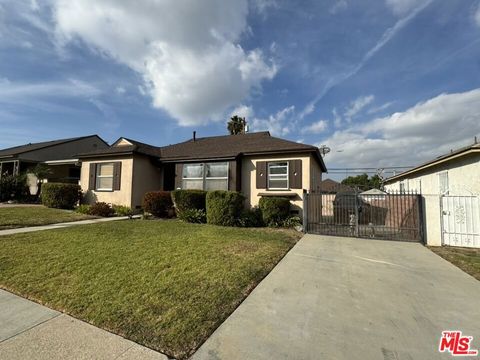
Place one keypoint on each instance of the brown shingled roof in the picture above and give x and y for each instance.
(215, 147)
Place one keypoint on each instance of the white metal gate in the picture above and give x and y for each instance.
(461, 221)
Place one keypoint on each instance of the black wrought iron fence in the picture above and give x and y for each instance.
(374, 214)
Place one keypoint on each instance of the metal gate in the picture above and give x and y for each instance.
(461, 221)
(380, 216)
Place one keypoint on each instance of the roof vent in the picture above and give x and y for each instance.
(194, 135)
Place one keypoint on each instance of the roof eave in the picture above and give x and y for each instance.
(431, 164)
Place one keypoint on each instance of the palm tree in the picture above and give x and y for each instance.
(236, 125)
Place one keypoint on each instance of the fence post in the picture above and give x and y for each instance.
(357, 232)
(305, 210)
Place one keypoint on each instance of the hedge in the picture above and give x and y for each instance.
(275, 210)
(189, 199)
(157, 203)
(60, 196)
(224, 207)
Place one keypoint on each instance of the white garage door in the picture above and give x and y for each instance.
(461, 221)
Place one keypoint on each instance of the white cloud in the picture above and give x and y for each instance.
(187, 51)
(358, 105)
(402, 7)
(338, 6)
(243, 111)
(120, 90)
(316, 127)
(420, 133)
(476, 16)
(263, 6)
(19, 92)
(279, 124)
(379, 108)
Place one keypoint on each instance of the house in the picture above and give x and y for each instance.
(256, 164)
(450, 189)
(61, 156)
(373, 195)
(329, 186)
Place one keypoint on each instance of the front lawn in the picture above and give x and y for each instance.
(164, 284)
(467, 259)
(22, 216)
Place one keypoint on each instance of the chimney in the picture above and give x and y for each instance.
(194, 135)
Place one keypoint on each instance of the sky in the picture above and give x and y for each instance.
(382, 83)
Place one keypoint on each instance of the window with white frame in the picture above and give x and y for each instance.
(104, 177)
(205, 176)
(404, 186)
(278, 175)
(443, 182)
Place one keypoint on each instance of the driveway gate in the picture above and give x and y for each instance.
(461, 221)
(380, 216)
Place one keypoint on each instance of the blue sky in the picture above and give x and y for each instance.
(382, 83)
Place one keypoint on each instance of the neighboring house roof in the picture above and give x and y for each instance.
(215, 147)
(373, 192)
(18, 151)
(332, 187)
(453, 155)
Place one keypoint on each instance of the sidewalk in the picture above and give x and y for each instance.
(32, 331)
(63, 225)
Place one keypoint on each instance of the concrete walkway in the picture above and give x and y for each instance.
(32, 331)
(342, 298)
(63, 225)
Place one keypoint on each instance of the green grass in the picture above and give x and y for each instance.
(164, 284)
(467, 259)
(22, 216)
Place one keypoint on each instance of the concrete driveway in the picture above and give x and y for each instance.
(342, 298)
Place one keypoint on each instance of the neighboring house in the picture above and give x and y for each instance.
(256, 164)
(329, 186)
(450, 188)
(61, 156)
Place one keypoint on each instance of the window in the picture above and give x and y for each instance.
(443, 183)
(205, 176)
(104, 178)
(278, 175)
(404, 186)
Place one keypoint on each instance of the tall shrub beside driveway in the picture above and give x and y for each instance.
(224, 207)
(60, 196)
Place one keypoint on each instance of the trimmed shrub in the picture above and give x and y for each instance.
(120, 210)
(251, 218)
(157, 203)
(224, 207)
(83, 209)
(101, 209)
(275, 210)
(60, 196)
(189, 199)
(193, 216)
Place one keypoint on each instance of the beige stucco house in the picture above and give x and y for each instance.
(256, 164)
(450, 189)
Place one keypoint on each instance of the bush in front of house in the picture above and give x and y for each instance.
(60, 196)
(196, 216)
(101, 209)
(83, 209)
(224, 207)
(13, 187)
(121, 210)
(275, 210)
(251, 218)
(157, 203)
(292, 222)
(189, 199)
